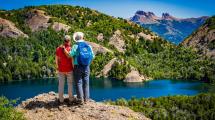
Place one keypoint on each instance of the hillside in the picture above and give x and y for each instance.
(203, 39)
(46, 107)
(124, 50)
(169, 27)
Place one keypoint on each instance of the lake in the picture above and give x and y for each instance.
(105, 89)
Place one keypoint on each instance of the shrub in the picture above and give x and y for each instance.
(7, 111)
(200, 107)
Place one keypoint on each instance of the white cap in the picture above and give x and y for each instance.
(67, 37)
(78, 36)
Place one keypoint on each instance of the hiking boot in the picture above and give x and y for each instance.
(86, 101)
(80, 102)
(59, 102)
(72, 99)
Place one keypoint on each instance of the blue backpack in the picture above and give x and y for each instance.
(85, 55)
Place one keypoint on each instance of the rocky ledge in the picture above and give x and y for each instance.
(46, 107)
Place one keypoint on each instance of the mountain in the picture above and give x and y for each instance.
(124, 50)
(169, 27)
(203, 39)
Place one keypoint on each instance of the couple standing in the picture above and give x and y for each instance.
(74, 64)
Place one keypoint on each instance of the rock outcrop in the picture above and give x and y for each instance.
(135, 76)
(8, 29)
(117, 41)
(203, 40)
(60, 26)
(145, 36)
(107, 68)
(46, 107)
(99, 48)
(37, 20)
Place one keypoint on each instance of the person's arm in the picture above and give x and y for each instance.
(92, 51)
(73, 66)
(56, 61)
(70, 53)
(66, 52)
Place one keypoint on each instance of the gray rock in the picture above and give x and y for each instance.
(135, 76)
(60, 26)
(100, 37)
(117, 41)
(99, 48)
(37, 20)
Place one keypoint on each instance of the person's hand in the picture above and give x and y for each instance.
(62, 46)
(56, 70)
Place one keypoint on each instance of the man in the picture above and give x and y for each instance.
(65, 69)
(82, 54)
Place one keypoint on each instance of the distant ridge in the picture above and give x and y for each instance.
(167, 26)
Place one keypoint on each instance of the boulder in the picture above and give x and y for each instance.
(60, 26)
(135, 76)
(89, 23)
(8, 29)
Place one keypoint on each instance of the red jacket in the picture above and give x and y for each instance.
(64, 62)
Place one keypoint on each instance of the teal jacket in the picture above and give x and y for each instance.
(73, 53)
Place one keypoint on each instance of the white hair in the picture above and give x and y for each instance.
(78, 36)
(67, 37)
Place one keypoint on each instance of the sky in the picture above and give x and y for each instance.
(127, 8)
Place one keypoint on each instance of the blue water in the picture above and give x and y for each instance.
(105, 89)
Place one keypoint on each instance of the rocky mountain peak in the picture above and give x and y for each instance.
(146, 15)
(167, 16)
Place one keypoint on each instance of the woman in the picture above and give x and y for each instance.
(65, 67)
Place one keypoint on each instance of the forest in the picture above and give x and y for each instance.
(199, 107)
